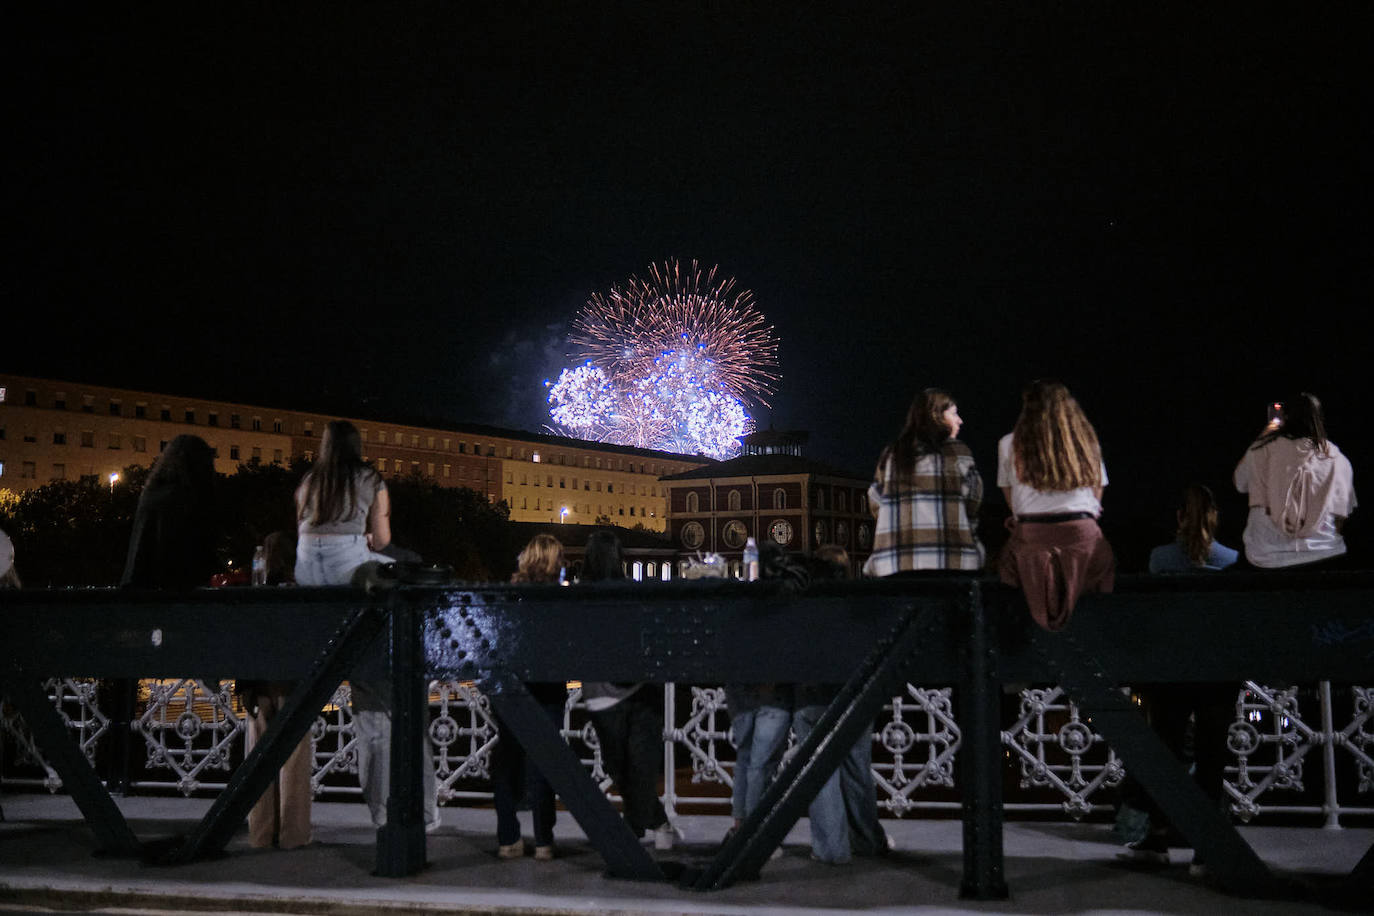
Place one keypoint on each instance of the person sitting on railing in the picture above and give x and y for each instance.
(1301, 490)
(343, 516)
(542, 561)
(176, 527)
(1140, 823)
(844, 814)
(1051, 471)
(628, 718)
(926, 494)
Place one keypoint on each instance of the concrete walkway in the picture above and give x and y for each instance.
(46, 864)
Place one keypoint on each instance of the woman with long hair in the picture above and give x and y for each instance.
(1195, 546)
(1051, 471)
(343, 511)
(926, 494)
(1301, 490)
(175, 525)
(628, 718)
(343, 517)
(1210, 706)
(542, 561)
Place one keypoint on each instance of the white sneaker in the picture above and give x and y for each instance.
(666, 834)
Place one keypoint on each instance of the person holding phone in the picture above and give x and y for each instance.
(1301, 490)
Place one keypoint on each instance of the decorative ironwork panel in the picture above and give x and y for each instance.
(75, 701)
(1270, 740)
(189, 727)
(333, 743)
(464, 734)
(1358, 736)
(702, 735)
(920, 734)
(1052, 744)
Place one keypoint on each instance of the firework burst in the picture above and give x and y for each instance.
(668, 362)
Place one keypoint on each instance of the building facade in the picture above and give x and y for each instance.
(56, 430)
(797, 503)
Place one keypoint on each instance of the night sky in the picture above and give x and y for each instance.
(396, 213)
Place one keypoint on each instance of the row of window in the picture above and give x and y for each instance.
(733, 500)
(585, 509)
(633, 489)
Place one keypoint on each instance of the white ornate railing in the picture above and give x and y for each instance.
(192, 734)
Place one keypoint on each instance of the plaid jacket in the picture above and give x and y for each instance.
(926, 521)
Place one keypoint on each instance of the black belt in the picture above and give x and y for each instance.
(1055, 517)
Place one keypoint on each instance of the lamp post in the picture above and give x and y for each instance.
(562, 516)
(114, 479)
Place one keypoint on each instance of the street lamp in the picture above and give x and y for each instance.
(562, 516)
(114, 479)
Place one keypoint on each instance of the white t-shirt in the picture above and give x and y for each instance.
(1026, 500)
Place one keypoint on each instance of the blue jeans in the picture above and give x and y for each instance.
(844, 814)
(760, 737)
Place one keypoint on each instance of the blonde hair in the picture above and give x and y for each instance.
(1054, 446)
(540, 561)
(1197, 523)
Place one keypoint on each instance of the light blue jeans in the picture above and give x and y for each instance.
(844, 814)
(332, 559)
(760, 737)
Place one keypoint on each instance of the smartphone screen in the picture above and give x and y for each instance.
(1275, 413)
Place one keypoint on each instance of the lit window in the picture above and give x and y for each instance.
(535, 457)
(429, 468)
(447, 468)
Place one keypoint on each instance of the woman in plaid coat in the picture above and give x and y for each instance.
(926, 494)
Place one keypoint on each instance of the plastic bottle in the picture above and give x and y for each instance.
(259, 565)
(751, 560)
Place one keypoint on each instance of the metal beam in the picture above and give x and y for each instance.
(251, 778)
(606, 830)
(112, 832)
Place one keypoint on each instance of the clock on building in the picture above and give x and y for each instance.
(781, 531)
(735, 533)
(693, 535)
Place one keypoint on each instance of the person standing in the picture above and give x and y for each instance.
(343, 516)
(1051, 471)
(1211, 705)
(628, 718)
(844, 813)
(541, 562)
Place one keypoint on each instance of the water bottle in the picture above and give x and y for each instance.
(259, 565)
(751, 560)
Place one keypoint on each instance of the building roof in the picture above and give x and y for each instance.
(766, 466)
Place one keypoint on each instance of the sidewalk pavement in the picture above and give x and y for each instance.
(46, 865)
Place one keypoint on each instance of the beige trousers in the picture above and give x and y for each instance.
(282, 815)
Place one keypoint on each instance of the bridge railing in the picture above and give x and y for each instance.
(879, 637)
